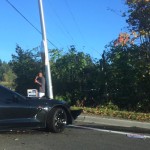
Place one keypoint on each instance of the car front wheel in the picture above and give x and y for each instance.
(56, 120)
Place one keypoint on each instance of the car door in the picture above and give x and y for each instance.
(14, 109)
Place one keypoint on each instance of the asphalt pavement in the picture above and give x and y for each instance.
(73, 138)
(85, 134)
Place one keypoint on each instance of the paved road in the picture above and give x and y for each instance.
(71, 139)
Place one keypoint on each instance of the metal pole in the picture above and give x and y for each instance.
(47, 65)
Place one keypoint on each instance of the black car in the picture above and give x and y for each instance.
(17, 111)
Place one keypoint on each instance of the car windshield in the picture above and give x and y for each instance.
(21, 96)
(7, 89)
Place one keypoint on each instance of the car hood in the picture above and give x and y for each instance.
(46, 102)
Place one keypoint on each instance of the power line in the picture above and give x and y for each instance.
(73, 18)
(76, 23)
(58, 27)
(62, 24)
(28, 21)
(115, 11)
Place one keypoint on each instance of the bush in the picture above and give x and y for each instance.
(62, 98)
(111, 106)
(105, 112)
(143, 106)
(9, 85)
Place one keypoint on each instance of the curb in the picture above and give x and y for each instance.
(112, 122)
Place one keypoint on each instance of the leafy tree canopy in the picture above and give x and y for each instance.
(26, 65)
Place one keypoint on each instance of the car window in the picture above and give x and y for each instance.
(18, 98)
(5, 95)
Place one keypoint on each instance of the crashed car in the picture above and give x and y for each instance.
(19, 112)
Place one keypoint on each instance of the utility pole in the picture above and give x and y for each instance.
(46, 56)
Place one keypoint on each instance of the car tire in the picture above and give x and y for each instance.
(56, 120)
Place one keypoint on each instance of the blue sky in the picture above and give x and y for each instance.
(87, 24)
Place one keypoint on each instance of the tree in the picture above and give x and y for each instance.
(129, 76)
(68, 74)
(3, 69)
(7, 76)
(26, 65)
(138, 18)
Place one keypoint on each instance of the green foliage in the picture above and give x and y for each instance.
(9, 85)
(7, 76)
(119, 80)
(128, 82)
(110, 106)
(138, 20)
(55, 54)
(3, 69)
(63, 98)
(68, 74)
(106, 112)
(25, 65)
